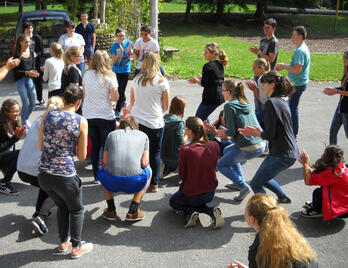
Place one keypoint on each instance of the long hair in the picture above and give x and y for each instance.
(55, 102)
(280, 242)
(149, 69)
(345, 73)
(72, 51)
(57, 50)
(177, 106)
(8, 125)
(196, 125)
(20, 38)
(283, 86)
(264, 64)
(236, 89)
(332, 156)
(129, 121)
(101, 63)
(221, 54)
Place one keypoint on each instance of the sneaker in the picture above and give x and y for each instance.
(63, 247)
(95, 181)
(310, 213)
(191, 219)
(154, 188)
(217, 220)
(232, 186)
(81, 250)
(40, 225)
(42, 102)
(284, 200)
(109, 215)
(137, 216)
(162, 170)
(6, 188)
(242, 193)
(308, 205)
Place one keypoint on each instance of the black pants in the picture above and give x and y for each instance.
(8, 164)
(38, 86)
(122, 80)
(56, 92)
(317, 200)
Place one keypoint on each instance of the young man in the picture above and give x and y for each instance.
(298, 72)
(87, 30)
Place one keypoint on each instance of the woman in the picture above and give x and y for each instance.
(61, 133)
(283, 149)
(330, 200)
(10, 132)
(277, 242)
(24, 74)
(100, 87)
(211, 80)
(341, 114)
(238, 113)
(149, 98)
(197, 165)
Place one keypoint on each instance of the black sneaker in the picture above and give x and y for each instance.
(308, 205)
(310, 213)
(41, 103)
(191, 219)
(40, 225)
(284, 200)
(217, 220)
(6, 188)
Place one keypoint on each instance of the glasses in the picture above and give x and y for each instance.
(267, 27)
(225, 90)
(120, 35)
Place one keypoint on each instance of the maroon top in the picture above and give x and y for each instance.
(197, 168)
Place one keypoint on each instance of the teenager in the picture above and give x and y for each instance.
(87, 30)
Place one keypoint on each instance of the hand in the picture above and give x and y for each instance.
(12, 63)
(209, 127)
(129, 47)
(250, 131)
(254, 49)
(33, 73)
(280, 66)
(221, 133)
(19, 132)
(304, 158)
(330, 91)
(121, 50)
(194, 80)
(236, 264)
(251, 85)
(127, 110)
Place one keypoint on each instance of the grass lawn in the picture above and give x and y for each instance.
(27, 7)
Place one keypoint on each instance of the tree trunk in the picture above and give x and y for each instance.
(102, 11)
(43, 4)
(154, 18)
(96, 9)
(188, 10)
(136, 25)
(260, 9)
(220, 8)
(20, 7)
(119, 18)
(37, 4)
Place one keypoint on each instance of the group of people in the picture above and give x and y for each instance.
(130, 154)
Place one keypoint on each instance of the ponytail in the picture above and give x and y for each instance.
(262, 63)
(283, 86)
(195, 124)
(223, 58)
(236, 89)
(221, 54)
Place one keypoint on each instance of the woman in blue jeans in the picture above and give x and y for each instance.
(283, 149)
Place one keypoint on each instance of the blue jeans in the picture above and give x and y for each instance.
(268, 169)
(82, 67)
(294, 101)
(180, 202)
(203, 111)
(230, 164)
(338, 120)
(257, 102)
(26, 90)
(155, 138)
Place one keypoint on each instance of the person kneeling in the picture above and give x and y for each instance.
(126, 167)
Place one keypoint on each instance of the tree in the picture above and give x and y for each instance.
(188, 10)
(96, 9)
(20, 7)
(260, 8)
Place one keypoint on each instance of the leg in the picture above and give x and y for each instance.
(93, 133)
(335, 127)
(8, 164)
(32, 96)
(293, 103)
(203, 111)
(122, 80)
(56, 92)
(38, 86)
(81, 66)
(317, 200)
(22, 90)
(139, 195)
(345, 123)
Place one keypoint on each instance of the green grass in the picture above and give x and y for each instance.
(27, 7)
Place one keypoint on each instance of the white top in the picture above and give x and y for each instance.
(150, 46)
(147, 107)
(97, 99)
(263, 97)
(75, 40)
(53, 69)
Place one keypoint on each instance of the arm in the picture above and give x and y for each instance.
(114, 96)
(10, 64)
(231, 130)
(165, 100)
(182, 163)
(132, 97)
(295, 69)
(145, 159)
(46, 72)
(307, 170)
(41, 132)
(271, 57)
(332, 91)
(94, 38)
(81, 148)
(6, 142)
(105, 157)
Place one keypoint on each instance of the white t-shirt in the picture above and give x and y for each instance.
(150, 46)
(263, 97)
(53, 69)
(97, 89)
(75, 40)
(147, 107)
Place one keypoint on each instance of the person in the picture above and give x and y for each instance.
(11, 131)
(10, 64)
(87, 30)
(27, 168)
(283, 149)
(100, 87)
(341, 113)
(121, 52)
(53, 68)
(69, 39)
(126, 167)
(36, 45)
(277, 242)
(24, 74)
(149, 99)
(298, 72)
(197, 165)
(238, 113)
(211, 80)
(330, 200)
(173, 136)
(61, 133)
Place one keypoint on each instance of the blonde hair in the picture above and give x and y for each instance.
(72, 51)
(236, 89)
(280, 243)
(214, 48)
(150, 69)
(101, 63)
(57, 50)
(264, 64)
(345, 73)
(55, 102)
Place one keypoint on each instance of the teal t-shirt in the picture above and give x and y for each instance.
(302, 57)
(123, 64)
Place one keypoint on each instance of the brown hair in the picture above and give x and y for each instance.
(236, 89)
(283, 86)
(69, 24)
(196, 125)
(20, 38)
(5, 122)
(129, 121)
(214, 48)
(57, 50)
(72, 94)
(262, 63)
(332, 156)
(344, 79)
(301, 30)
(177, 106)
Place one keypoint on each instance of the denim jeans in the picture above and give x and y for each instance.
(180, 202)
(338, 120)
(155, 137)
(294, 101)
(26, 90)
(203, 111)
(122, 80)
(268, 169)
(230, 164)
(82, 67)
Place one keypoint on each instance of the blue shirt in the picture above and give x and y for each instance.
(123, 64)
(302, 57)
(86, 32)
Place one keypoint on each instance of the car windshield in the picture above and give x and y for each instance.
(49, 27)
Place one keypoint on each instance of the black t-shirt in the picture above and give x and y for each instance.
(72, 76)
(25, 64)
(212, 79)
(270, 46)
(37, 46)
(343, 103)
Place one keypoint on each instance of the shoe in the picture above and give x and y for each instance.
(232, 186)
(6, 188)
(242, 193)
(42, 102)
(308, 205)
(95, 181)
(191, 219)
(40, 225)
(137, 216)
(63, 247)
(109, 215)
(310, 213)
(81, 250)
(284, 200)
(154, 188)
(162, 170)
(217, 220)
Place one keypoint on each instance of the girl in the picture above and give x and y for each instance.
(277, 242)
(197, 165)
(100, 87)
(283, 149)
(61, 133)
(10, 132)
(341, 114)
(23, 75)
(211, 80)
(238, 113)
(53, 69)
(329, 171)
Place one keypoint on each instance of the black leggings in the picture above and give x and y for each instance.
(122, 80)
(8, 164)
(317, 200)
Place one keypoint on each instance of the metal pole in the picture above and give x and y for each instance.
(154, 18)
(337, 8)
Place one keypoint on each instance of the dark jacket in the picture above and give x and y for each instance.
(6, 143)
(212, 79)
(343, 102)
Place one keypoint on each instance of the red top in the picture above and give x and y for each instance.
(335, 190)
(197, 168)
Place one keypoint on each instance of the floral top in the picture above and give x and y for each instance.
(60, 135)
